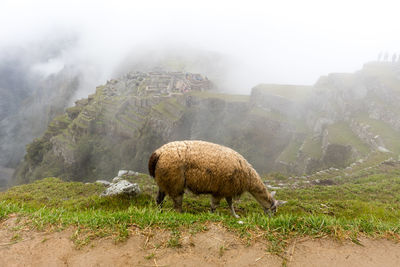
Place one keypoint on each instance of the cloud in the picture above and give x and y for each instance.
(273, 41)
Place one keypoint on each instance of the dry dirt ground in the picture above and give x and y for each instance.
(215, 247)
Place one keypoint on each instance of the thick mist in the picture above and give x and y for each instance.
(53, 53)
(285, 42)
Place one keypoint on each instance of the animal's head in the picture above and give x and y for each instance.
(274, 205)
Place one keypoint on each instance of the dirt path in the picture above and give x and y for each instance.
(215, 247)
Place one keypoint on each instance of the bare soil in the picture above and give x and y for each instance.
(215, 247)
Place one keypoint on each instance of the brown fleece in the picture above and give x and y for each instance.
(206, 168)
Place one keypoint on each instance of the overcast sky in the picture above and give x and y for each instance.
(291, 42)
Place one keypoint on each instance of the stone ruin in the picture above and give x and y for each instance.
(157, 83)
(175, 82)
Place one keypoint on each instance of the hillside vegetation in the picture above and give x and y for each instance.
(292, 129)
(357, 202)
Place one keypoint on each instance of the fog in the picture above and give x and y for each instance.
(54, 52)
(290, 42)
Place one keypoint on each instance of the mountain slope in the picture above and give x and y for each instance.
(293, 129)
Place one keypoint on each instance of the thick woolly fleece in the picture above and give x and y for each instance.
(206, 168)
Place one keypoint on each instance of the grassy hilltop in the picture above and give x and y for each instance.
(343, 204)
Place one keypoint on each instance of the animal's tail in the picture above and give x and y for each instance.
(153, 163)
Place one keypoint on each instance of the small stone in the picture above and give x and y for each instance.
(116, 179)
(103, 182)
(383, 149)
(122, 187)
(122, 172)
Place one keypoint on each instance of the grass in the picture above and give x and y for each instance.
(365, 203)
(312, 147)
(222, 96)
(390, 137)
(291, 92)
(289, 154)
(169, 108)
(341, 133)
(385, 72)
(271, 115)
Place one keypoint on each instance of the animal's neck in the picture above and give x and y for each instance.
(260, 192)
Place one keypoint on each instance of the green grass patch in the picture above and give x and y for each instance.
(390, 137)
(385, 72)
(312, 147)
(270, 115)
(367, 204)
(169, 108)
(289, 154)
(291, 92)
(225, 97)
(340, 133)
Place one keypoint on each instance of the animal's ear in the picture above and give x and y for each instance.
(273, 193)
(280, 203)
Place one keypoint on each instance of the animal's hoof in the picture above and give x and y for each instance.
(236, 216)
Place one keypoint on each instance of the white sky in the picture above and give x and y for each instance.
(280, 41)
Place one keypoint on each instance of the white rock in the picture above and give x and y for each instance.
(103, 182)
(383, 149)
(122, 172)
(116, 179)
(122, 187)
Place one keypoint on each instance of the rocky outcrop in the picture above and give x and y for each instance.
(30, 99)
(119, 126)
(122, 187)
(292, 129)
(363, 131)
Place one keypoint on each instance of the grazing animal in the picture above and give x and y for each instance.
(206, 168)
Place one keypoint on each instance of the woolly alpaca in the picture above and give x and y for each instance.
(206, 168)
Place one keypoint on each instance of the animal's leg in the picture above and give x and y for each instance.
(214, 202)
(160, 197)
(178, 202)
(230, 204)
